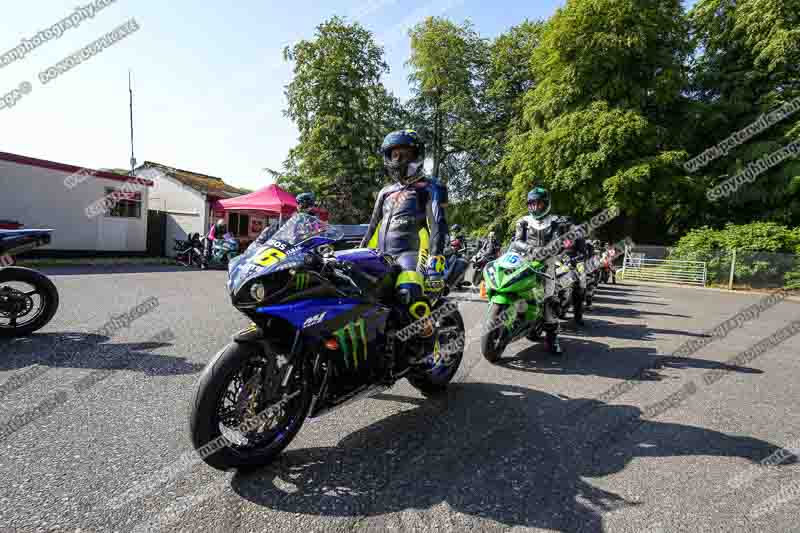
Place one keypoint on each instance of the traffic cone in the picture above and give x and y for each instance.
(483, 290)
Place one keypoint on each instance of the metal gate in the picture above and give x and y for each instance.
(639, 267)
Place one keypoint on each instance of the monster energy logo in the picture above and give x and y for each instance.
(356, 333)
(301, 281)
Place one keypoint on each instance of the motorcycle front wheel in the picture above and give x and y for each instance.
(28, 301)
(477, 277)
(494, 339)
(246, 407)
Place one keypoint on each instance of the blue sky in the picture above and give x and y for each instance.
(208, 77)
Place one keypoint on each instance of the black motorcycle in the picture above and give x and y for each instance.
(28, 299)
(189, 252)
(593, 275)
(570, 276)
(479, 262)
(455, 266)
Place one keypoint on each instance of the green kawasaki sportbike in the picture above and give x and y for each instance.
(515, 289)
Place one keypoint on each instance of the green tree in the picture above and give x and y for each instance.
(342, 110)
(608, 76)
(750, 65)
(445, 59)
(505, 77)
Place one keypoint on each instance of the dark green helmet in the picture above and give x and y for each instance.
(538, 202)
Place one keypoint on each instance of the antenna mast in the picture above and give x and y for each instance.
(130, 93)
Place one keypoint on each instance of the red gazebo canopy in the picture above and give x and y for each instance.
(271, 199)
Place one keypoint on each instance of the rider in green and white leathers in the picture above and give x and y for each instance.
(536, 230)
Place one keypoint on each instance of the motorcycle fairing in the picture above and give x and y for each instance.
(297, 313)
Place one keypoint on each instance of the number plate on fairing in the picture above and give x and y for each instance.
(510, 261)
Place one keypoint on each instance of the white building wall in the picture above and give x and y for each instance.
(38, 198)
(186, 208)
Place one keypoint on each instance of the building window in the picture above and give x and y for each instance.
(239, 225)
(123, 204)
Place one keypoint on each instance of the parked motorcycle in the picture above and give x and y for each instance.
(569, 273)
(455, 267)
(607, 268)
(479, 262)
(28, 299)
(593, 270)
(515, 289)
(326, 331)
(222, 252)
(190, 251)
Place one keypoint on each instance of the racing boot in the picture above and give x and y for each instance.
(578, 298)
(425, 341)
(551, 340)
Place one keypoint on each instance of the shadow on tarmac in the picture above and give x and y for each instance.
(498, 452)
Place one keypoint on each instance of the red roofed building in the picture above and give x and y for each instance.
(90, 210)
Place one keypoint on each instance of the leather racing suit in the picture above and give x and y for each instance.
(409, 224)
(532, 233)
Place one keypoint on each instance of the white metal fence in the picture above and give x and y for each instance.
(637, 266)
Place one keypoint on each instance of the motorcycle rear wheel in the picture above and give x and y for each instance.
(213, 389)
(435, 381)
(43, 287)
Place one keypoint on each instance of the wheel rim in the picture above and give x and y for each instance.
(254, 395)
(448, 348)
(18, 302)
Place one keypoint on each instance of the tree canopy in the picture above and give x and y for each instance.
(603, 103)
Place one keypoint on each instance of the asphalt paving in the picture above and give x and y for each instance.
(618, 435)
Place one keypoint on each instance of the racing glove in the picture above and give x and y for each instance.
(435, 274)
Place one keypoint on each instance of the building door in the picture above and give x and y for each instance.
(156, 233)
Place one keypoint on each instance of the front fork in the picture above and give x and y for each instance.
(520, 315)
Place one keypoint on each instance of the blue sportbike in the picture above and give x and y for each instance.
(326, 331)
